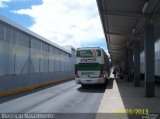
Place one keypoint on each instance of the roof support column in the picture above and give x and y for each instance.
(126, 66)
(137, 64)
(149, 59)
(130, 66)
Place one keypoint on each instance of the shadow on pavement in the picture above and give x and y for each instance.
(92, 88)
(110, 83)
(97, 88)
(14, 96)
(134, 99)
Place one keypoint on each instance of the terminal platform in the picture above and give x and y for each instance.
(120, 96)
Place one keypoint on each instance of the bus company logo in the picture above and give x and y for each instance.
(85, 53)
(88, 53)
(88, 60)
(95, 54)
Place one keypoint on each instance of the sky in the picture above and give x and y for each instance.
(64, 22)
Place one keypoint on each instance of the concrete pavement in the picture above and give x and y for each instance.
(67, 97)
(121, 96)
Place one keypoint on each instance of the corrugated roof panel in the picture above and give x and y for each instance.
(17, 26)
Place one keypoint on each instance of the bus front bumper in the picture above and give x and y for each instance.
(90, 80)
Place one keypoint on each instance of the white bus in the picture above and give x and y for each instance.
(92, 66)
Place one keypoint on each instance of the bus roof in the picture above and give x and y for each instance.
(84, 48)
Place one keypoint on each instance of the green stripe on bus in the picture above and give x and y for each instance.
(87, 53)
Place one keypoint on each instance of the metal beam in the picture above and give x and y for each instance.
(122, 14)
(116, 49)
(117, 57)
(118, 33)
(116, 52)
(113, 57)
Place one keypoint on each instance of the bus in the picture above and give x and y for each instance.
(92, 66)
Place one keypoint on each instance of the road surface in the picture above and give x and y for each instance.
(66, 97)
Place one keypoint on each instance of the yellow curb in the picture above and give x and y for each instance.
(19, 90)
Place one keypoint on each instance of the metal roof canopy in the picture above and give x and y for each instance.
(123, 21)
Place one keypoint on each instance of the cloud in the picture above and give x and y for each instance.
(2, 3)
(66, 22)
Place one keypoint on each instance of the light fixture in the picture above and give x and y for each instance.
(145, 6)
(133, 30)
